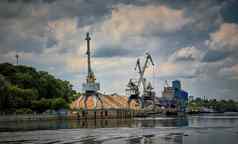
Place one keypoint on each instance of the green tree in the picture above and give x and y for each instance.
(41, 105)
(4, 99)
(21, 98)
(59, 103)
(24, 87)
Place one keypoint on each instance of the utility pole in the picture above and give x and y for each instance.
(17, 57)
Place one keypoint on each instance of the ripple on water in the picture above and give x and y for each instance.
(188, 130)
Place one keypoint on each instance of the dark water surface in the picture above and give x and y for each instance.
(203, 129)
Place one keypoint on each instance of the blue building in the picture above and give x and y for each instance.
(180, 95)
(174, 96)
(176, 84)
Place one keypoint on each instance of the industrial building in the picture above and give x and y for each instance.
(174, 97)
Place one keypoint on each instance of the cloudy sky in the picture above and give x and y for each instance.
(190, 40)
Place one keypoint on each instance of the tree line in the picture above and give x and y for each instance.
(24, 89)
(217, 105)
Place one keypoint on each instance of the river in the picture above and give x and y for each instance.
(202, 129)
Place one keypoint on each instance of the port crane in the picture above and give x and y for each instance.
(167, 83)
(134, 86)
(91, 87)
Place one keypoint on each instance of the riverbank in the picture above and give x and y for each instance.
(76, 115)
(97, 114)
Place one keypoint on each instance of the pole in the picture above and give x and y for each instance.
(17, 56)
(88, 53)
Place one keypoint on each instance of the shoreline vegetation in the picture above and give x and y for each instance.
(212, 106)
(24, 90)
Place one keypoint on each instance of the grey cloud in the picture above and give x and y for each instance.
(23, 39)
(51, 42)
(88, 12)
(21, 29)
(214, 56)
(29, 45)
(230, 11)
(49, 1)
(111, 51)
(187, 54)
(206, 18)
(222, 44)
(19, 24)
(214, 88)
(188, 58)
(13, 10)
(29, 1)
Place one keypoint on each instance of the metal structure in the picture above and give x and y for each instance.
(134, 86)
(91, 87)
(133, 92)
(173, 97)
(166, 83)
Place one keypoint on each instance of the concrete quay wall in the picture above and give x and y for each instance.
(76, 115)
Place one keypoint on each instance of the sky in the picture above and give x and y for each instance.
(193, 41)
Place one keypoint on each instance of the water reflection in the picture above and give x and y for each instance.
(145, 139)
(142, 134)
(158, 130)
(99, 123)
(164, 122)
(90, 140)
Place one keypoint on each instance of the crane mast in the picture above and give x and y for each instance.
(91, 77)
(91, 87)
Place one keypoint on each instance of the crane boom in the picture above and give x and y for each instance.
(134, 86)
(142, 71)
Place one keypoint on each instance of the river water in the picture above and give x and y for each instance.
(202, 129)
